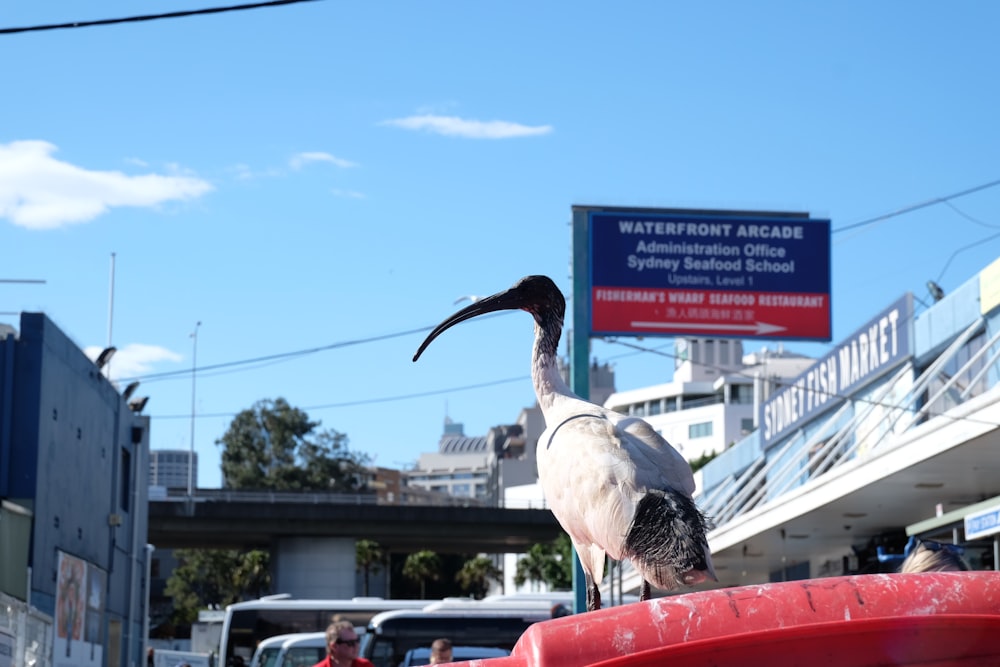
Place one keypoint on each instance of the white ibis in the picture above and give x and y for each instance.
(615, 486)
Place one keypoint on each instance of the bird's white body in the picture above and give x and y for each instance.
(595, 465)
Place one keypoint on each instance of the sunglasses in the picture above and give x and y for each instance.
(347, 642)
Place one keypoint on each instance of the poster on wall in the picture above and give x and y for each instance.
(80, 589)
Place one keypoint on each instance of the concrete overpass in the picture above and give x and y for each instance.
(249, 520)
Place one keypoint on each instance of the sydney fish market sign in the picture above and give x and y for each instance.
(708, 273)
(867, 355)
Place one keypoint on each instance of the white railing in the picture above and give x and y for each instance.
(839, 441)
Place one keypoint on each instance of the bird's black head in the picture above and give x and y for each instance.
(540, 297)
(537, 295)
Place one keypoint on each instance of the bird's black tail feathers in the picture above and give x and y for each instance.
(667, 537)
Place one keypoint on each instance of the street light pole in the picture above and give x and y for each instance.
(194, 366)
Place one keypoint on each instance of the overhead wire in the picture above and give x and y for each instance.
(915, 207)
(150, 17)
(282, 356)
(370, 401)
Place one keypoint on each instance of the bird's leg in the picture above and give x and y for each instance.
(593, 597)
(593, 593)
(644, 591)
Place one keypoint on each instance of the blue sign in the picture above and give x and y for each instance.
(707, 273)
(868, 354)
(981, 524)
(689, 250)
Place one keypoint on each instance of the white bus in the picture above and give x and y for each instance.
(247, 623)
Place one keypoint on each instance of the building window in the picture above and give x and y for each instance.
(746, 426)
(702, 430)
(741, 393)
(126, 476)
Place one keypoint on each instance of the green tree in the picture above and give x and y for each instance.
(475, 576)
(550, 563)
(702, 460)
(421, 566)
(275, 446)
(220, 577)
(369, 557)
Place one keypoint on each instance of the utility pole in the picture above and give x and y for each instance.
(194, 367)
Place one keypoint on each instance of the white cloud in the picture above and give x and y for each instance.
(38, 191)
(453, 126)
(302, 159)
(134, 360)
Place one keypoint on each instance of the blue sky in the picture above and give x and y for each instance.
(309, 175)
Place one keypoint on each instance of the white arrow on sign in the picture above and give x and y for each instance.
(758, 328)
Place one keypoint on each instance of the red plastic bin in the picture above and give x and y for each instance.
(878, 619)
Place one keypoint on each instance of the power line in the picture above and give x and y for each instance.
(281, 356)
(150, 17)
(916, 207)
(370, 401)
(274, 357)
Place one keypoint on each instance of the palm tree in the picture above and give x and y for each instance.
(476, 574)
(549, 563)
(533, 565)
(369, 557)
(421, 566)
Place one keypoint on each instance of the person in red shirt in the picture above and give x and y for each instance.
(342, 647)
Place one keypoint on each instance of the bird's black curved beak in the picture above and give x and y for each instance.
(509, 299)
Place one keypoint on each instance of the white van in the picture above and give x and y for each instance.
(267, 650)
(300, 649)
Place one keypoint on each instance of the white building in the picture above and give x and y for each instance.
(170, 468)
(459, 468)
(712, 400)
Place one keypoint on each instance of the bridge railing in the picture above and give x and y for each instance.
(241, 496)
(420, 497)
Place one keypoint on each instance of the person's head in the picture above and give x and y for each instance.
(342, 642)
(440, 651)
(930, 556)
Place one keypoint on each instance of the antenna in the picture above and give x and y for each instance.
(111, 309)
